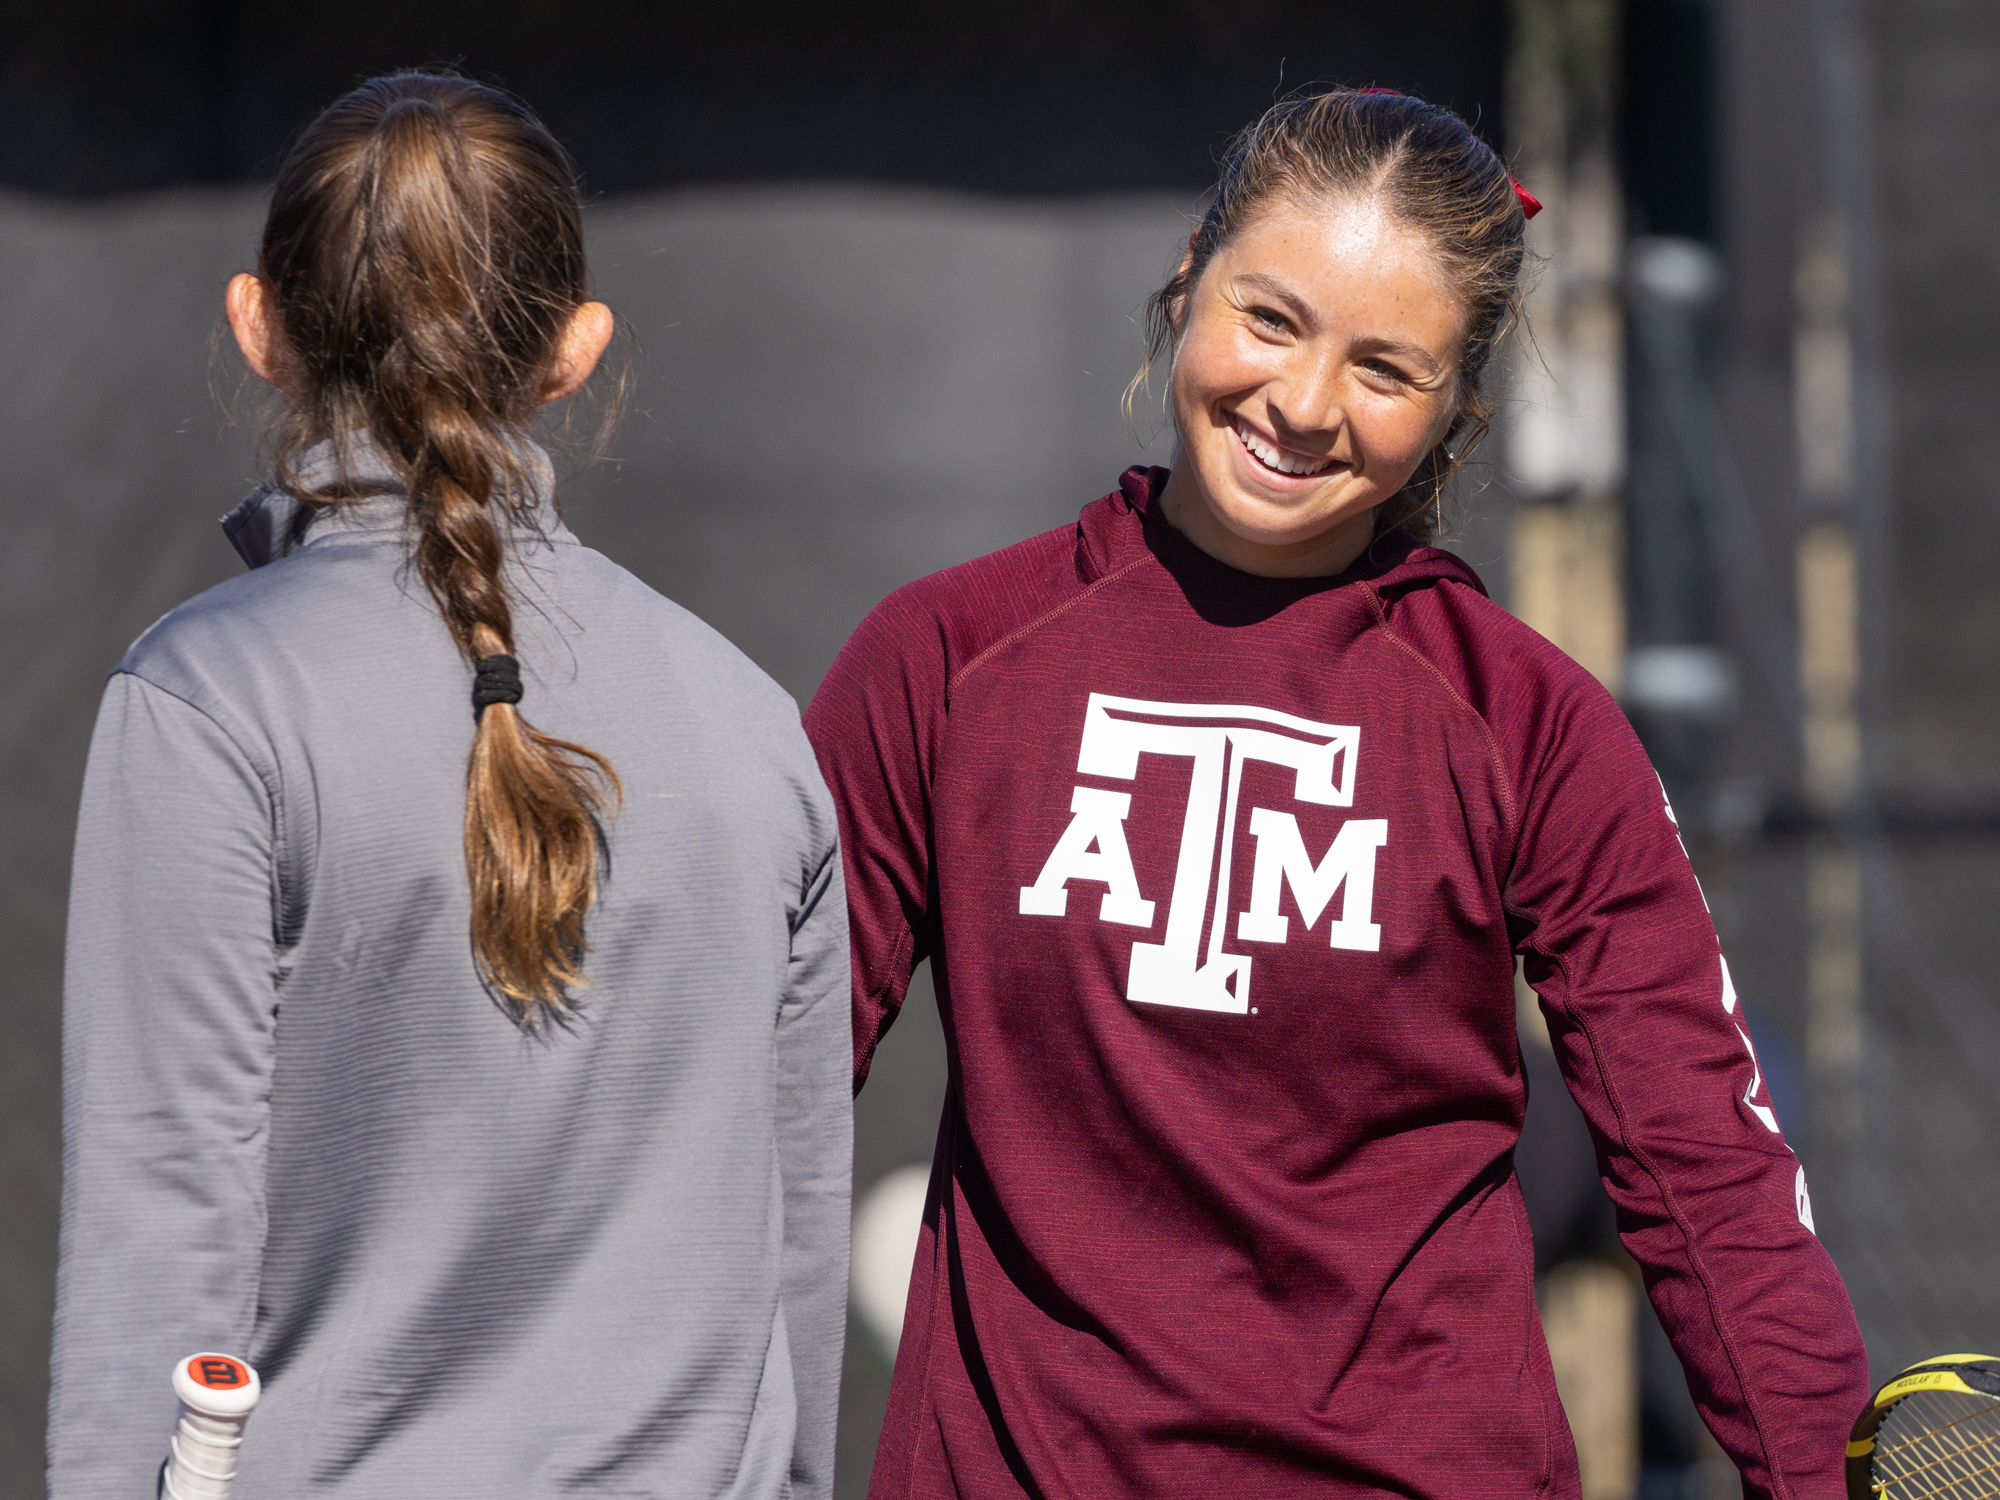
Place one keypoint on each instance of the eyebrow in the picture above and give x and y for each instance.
(1275, 289)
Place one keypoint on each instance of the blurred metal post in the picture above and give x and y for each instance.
(1564, 432)
(1840, 449)
(1564, 428)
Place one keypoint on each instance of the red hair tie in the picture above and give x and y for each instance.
(1530, 204)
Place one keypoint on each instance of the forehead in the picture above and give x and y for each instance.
(1346, 253)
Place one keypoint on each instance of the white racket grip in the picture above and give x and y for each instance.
(217, 1392)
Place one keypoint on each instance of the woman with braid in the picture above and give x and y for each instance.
(456, 999)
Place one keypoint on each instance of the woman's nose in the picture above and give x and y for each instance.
(1310, 400)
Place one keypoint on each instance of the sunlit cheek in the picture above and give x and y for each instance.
(1255, 364)
(1220, 365)
(1392, 433)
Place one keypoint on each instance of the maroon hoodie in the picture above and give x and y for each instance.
(1222, 878)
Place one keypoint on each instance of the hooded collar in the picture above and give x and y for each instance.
(1392, 564)
(271, 522)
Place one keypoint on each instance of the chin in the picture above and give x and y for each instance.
(1279, 521)
(1264, 530)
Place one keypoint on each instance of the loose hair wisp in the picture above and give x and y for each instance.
(422, 260)
(1428, 169)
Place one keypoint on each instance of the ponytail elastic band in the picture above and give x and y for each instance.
(498, 680)
(1530, 204)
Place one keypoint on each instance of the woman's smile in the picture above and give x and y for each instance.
(1272, 458)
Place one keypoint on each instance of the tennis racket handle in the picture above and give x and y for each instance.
(217, 1392)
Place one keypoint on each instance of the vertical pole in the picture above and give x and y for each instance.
(1840, 445)
(1565, 441)
(1564, 430)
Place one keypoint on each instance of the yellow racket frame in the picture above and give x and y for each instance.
(1938, 1373)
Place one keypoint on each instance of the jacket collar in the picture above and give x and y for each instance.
(272, 522)
(1394, 562)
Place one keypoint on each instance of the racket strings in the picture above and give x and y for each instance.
(1939, 1446)
(1968, 1474)
(1973, 1475)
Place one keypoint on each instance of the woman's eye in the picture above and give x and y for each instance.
(1384, 371)
(1268, 318)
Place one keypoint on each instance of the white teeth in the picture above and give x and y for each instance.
(1276, 458)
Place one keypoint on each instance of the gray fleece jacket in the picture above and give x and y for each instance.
(467, 1262)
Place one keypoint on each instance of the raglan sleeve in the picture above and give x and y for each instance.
(875, 725)
(1617, 940)
(816, 1149)
(169, 1006)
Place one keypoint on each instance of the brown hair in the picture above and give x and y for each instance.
(1427, 168)
(422, 259)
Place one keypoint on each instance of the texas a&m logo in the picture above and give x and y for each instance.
(1218, 739)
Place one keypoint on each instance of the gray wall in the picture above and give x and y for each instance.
(113, 475)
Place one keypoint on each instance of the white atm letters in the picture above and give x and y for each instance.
(1281, 856)
(1217, 739)
(1099, 819)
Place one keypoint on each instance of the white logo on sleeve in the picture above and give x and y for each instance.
(1218, 739)
(1766, 1116)
(1763, 1112)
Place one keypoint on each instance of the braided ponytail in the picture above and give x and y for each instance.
(423, 259)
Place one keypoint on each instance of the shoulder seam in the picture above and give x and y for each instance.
(1510, 801)
(222, 729)
(951, 686)
(273, 788)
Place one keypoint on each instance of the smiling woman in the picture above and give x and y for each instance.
(1223, 816)
(1332, 322)
(1318, 369)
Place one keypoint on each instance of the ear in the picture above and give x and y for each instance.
(582, 345)
(249, 314)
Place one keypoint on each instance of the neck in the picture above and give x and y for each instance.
(1320, 555)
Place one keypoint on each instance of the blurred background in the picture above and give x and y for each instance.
(882, 265)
